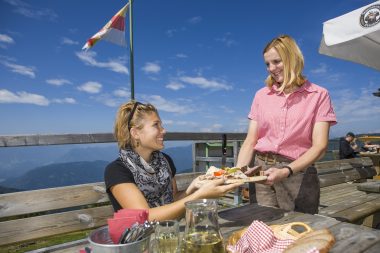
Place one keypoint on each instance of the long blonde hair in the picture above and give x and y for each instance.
(292, 59)
(124, 122)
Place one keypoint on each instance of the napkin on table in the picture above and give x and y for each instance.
(125, 218)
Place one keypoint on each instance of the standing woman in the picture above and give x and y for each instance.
(143, 177)
(288, 130)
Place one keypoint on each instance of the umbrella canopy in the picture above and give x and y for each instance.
(354, 36)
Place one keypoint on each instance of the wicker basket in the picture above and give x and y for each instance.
(285, 231)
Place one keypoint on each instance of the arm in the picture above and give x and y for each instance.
(353, 145)
(247, 149)
(320, 136)
(129, 196)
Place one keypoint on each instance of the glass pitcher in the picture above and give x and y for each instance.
(202, 233)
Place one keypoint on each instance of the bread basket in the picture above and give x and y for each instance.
(302, 234)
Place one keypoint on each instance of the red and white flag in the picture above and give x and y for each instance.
(113, 31)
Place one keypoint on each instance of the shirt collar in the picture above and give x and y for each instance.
(305, 87)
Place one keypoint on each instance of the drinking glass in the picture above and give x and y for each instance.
(167, 236)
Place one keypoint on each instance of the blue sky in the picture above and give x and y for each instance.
(200, 62)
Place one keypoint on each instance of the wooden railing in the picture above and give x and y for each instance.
(60, 139)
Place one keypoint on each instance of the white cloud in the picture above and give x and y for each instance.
(26, 10)
(110, 100)
(122, 93)
(203, 83)
(322, 69)
(151, 68)
(19, 69)
(195, 20)
(213, 128)
(180, 55)
(171, 32)
(64, 101)
(175, 86)
(114, 65)
(167, 106)
(68, 41)
(90, 87)
(5, 40)
(226, 109)
(22, 97)
(356, 112)
(58, 82)
(227, 40)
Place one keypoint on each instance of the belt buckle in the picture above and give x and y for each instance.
(270, 159)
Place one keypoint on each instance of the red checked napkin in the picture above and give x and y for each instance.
(259, 238)
(125, 218)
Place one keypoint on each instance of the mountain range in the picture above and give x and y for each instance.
(44, 167)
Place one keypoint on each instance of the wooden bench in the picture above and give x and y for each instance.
(26, 217)
(340, 196)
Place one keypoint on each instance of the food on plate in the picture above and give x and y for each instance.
(231, 175)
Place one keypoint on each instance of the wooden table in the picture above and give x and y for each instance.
(375, 159)
(350, 238)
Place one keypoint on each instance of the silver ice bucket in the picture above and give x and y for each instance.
(101, 243)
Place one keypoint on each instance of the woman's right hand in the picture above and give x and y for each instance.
(195, 185)
(215, 188)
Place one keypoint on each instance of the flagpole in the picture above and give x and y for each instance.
(131, 68)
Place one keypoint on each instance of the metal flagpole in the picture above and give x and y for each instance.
(131, 68)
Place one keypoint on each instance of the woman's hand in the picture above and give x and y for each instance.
(215, 188)
(251, 171)
(275, 175)
(195, 185)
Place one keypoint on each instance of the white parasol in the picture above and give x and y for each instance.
(354, 36)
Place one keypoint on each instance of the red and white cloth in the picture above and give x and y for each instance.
(113, 31)
(259, 238)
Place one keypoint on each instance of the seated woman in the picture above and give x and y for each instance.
(143, 177)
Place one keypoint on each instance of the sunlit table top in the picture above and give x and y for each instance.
(349, 237)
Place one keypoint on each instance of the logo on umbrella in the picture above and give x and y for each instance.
(370, 16)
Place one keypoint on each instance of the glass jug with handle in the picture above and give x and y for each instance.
(202, 233)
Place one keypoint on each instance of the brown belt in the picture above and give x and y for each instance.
(272, 158)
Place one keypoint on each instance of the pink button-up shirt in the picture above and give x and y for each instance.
(285, 123)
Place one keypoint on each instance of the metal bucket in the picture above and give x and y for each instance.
(101, 243)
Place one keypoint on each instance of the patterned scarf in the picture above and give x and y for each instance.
(154, 179)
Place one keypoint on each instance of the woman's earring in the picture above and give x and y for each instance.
(137, 143)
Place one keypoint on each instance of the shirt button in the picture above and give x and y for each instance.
(283, 109)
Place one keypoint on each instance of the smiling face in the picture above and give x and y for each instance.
(151, 134)
(275, 65)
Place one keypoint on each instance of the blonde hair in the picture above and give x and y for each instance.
(125, 121)
(292, 59)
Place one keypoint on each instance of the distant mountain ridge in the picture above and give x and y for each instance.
(81, 172)
(59, 174)
(16, 161)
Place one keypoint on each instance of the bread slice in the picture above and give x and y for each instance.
(305, 246)
(321, 239)
(321, 233)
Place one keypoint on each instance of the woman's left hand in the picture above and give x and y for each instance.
(275, 175)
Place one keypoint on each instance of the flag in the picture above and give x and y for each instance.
(113, 31)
